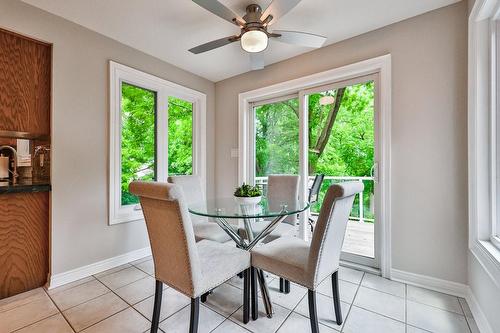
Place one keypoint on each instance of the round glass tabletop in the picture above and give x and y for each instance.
(229, 208)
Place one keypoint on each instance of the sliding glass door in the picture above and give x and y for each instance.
(329, 130)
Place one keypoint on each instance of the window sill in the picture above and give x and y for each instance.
(488, 256)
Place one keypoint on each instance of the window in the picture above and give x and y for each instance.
(484, 135)
(157, 129)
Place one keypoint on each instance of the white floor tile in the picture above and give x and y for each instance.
(430, 297)
(263, 324)
(54, 324)
(179, 322)
(289, 300)
(326, 313)
(363, 321)
(79, 294)
(385, 285)
(347, 290)
(298, 323)
(434, 319)
(137, 291)
(225, 299)
(350, 275)
(32, 309)
(122, 277)
(171, 302)
(93, 311)
(112, 270)
(127, 321)
(412, 329)
(381, 303)
(230, 327)
(147, 266)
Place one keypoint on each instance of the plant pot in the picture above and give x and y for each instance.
(247, 201)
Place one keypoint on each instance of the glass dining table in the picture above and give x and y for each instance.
(247, 225)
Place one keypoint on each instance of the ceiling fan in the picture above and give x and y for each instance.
(254, 35)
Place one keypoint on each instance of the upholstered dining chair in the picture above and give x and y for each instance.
(193, 193)
(190, 267)
(308, 264)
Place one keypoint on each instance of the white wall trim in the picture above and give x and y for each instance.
(478, 314)
(429, 282)
(447, 287)
(60, 279)
(380, 65)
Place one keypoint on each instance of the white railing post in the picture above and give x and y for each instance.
(361, 208)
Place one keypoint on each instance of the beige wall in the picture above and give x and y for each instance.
(80, 233)
(429, 143)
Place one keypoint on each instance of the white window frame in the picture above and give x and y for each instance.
(482, 134)
(379, 65)
(495, 121)
(118, 74)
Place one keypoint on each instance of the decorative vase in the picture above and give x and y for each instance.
(247, 201)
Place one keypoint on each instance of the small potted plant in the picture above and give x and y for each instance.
(247, 194)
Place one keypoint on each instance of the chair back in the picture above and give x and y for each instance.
(328, 235)
(283, 189)
(193, 193)
(170, 233)
(316, 186)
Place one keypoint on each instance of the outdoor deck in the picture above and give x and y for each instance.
(359, 238)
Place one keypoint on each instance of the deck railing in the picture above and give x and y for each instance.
(262, 181)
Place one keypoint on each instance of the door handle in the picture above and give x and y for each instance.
(374, 172)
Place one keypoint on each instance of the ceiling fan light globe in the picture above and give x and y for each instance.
(326, 100)
(254, 41)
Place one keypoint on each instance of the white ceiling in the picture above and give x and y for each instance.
(166, 29)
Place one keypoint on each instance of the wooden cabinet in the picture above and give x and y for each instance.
(25, 84)
(24, 242)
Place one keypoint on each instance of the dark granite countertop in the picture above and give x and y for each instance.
(25, 186)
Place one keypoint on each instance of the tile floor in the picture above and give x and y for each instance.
(121, 300)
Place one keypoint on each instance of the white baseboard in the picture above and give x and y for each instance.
(100, 266)
(478, 314)
(428, 282)
(447, 287)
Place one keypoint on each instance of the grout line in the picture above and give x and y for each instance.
(60, 312)
(406, 308)
(466, 319)
(351, 304)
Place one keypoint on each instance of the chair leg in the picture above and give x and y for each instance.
(284, 286)
(157, 307)
(246, 296)
(287, 286)
(336, 297)
(195, 315)
(255, 301)
(204, 297)
(313, 313)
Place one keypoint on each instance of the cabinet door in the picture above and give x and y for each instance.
(25, 84)
(24, 239)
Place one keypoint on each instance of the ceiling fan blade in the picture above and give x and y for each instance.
(213, 44)
(300, 38)
(215, 7)
(278, 8)
(256, 61)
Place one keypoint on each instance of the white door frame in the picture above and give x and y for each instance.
(303, 95)
(379, 65)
